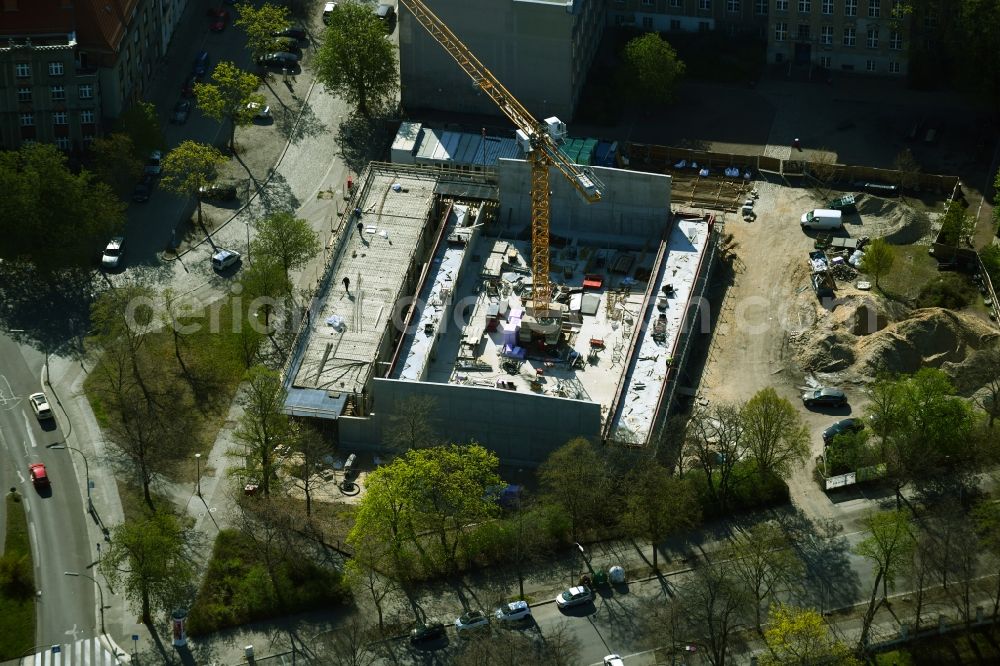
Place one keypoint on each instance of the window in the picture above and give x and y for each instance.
(825, 62)
(733, 6)
(850, 7)
(803, 34)
(647, 23)
(805, 6)
(870, 65)
(62, 142)
(849, 37)
(704, 4)
(22, 70)
(647, 3)
(58, 93)
(59, 118)
(703, 26)
(826, 35)
(873, 37)
(24, 94)
(930, 17)
(88, 139)
(780, 32)
(781, 5)
(896, 40)
(87, 117)
(675, 3)
(874, 8)
(760, 8)
(86, 91)
(827, 7)
(893, 67)
(27, 119)
(675, 24)
(55, 69)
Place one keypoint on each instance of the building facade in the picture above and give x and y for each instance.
(866, 36)
(540, 50)
(67, 67)
(730, 16)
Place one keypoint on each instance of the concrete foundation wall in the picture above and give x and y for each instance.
(634, 203)
(520, 428)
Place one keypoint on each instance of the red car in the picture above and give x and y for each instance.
(38, 475)
(219, 18)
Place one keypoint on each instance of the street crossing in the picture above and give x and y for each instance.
(84, 652)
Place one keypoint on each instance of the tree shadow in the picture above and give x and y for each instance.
(298, 124)
(828, 580)
(273, 196)
(363, 140)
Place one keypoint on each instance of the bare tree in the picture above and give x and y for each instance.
(717, 606)
(272, 527)
(308, 449)
(347, 645)
(576, 465)
(763, 561)
(909, 169)
(715, 439)
(888, 547)
(364, 570)
(261, 427)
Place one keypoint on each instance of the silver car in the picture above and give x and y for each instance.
(223, 259)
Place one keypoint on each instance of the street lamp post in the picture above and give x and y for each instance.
(99, 589)
(86, 466)
(197, 460)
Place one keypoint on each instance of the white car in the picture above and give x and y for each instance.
(515, 611)
(223, 259)
(613, 660)
(260, 111)
(112, 255)
(575, 596)
(40, 406)
(472, 621)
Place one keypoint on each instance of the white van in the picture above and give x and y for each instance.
(328, 10)
(822, 218)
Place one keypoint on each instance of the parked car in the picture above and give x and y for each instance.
(387, 13)
(217, 192)
(153, 166)
(842, 426)
(575, 596)
(200, 63)
(113, 253)
(40, 406)
(223, 259)
(472, 621)
(824, 397)
(328, 10)
(181, 112)
(279, 59)
(294, 32)
(286, 45)
(218, 19)
(144, 188)
(431, 630)
(613, 660)
(187, 90)
(260, 111)
(39, 477)
(515, 611)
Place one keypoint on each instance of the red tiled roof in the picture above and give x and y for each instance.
(101, 23)
(35, 17)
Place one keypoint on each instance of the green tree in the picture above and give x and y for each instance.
(260, 23)
(763, 560)
(878, 259)
(115, 162)
(266, 287)
(151, 560)
(653, 68)
(355, 60)
(658, 505)
(575, 478)
(288, 239)
(800, 637)
(49, 216)
(889, 548)
(775, 435)
(228, 97)
(261, 428)
(141, 123)
(957, 224)
(189, 167)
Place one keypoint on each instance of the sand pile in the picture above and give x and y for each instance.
(894, 220)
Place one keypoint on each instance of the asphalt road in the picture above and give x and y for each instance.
(66, 606)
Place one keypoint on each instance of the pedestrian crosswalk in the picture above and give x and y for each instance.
(85, 652)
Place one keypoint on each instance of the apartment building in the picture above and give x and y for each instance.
(67, 67)
(540, 50)
(731, 16)
(867, 36)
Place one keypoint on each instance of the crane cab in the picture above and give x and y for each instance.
(556, 128)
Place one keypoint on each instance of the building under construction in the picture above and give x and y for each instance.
(428, 292)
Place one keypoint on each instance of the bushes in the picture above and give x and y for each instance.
(238, 588)
(750, 491)
(17, 585)
(951, 291)
(990, 256)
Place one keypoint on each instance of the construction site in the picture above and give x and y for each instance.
(429, 292)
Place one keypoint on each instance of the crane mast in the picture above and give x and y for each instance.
(544, 150)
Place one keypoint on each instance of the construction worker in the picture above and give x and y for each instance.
(347, 284)
(361, 229)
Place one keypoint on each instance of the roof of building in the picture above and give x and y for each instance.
(102, 23)
(38, 17)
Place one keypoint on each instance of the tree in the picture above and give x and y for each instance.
(189, 167)
(576, 465)
(51, 217)
(653, 68)
(659, 505)
(411, 424)
(262, 426)
(763, 560)
(986, 517)
(364, 570)
(348, 645)
(957, 225)
(716, 607)
(152, 561)
(286, 238)
(996, 201)
(889, 548)
(229, 96)
(775, 435)
(878, 259)
(355, 60)
(115, 162)
(308, 450)
(260, 24)
(265, 286)
(141, 123)
(558, 647)
(908, 168)
(987, 371)
(800, 636)
(523, 536)
(715, 438)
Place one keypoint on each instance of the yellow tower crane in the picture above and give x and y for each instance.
(541, 137)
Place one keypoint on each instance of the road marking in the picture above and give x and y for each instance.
(20, 476)
(7, 398)
(27, 427)
(84, 652)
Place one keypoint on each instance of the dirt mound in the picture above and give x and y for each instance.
(831, 352)
(893, 219)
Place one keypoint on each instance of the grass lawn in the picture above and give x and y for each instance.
(912, 269)
(238, 586)
(17, 598)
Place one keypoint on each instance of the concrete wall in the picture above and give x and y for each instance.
(521, 428)
(634, 203)
(540, 51)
